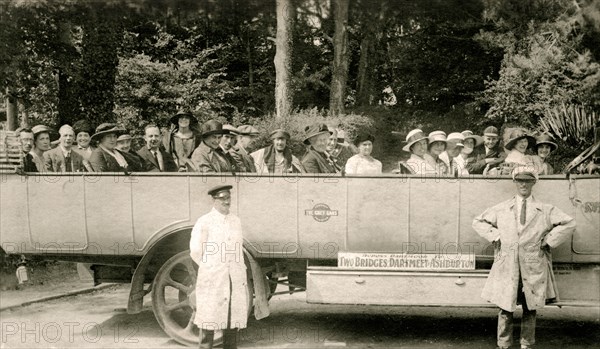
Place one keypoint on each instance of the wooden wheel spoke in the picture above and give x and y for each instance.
(175, 306)
(189, 265)
(189, 328)
(181, 287)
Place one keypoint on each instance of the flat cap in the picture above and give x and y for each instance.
(248, 130)
(524, 173)
(214, 191)
(490, 131)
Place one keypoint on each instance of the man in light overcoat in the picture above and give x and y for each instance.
(523, 231)
(222, 294)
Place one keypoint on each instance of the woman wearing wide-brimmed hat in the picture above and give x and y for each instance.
(183, 137)
(416, 145)
(517, 142)
(363, 163)
(106, 158)
(41, 144)
(466, 155)
(436, 145)
(543, 147)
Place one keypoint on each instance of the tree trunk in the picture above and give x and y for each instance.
(11, 111)
(21, 107)
(364, 80)
(283, 58)
(68, 105)
(339, 76)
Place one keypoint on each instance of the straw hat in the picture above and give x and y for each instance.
(413, 137)
(437, 136)
(456, 138)
(476, 138)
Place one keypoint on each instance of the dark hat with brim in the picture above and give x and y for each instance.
(516, 135)
(218, 190)
(213, 127)
(315, 130)
(175, 118)
(413, 137)
(545, 138)
(83, 126)
(279, 133)
(364, 137)
(107, 128)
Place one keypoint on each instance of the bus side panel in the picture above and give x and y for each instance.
(268, 210)
(57, 213)
(158, 202)
(14, 215)
(108, 208)
(379, 215)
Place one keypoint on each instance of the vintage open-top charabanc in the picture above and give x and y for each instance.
(136, 228)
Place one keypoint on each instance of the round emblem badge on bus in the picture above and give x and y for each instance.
(321, 212)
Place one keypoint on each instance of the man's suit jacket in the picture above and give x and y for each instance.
(476, 162)
(150, 164)
(55, 161)
(212, 160)
(244, 160)
(315, 162)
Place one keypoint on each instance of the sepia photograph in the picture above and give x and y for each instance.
(300, 174)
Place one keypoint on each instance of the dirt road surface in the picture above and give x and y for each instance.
(99, 320)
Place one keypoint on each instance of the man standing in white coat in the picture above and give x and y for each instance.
(222, 298)
(523, 230)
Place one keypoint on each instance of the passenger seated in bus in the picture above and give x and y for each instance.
(543, 147)
(246, 137)
(277, 158)
(124, 146)
(209, 156)
(83, 130)
(363, 163)
(416, 144)
(152, 156)
(465, 157)
(517, 141)
(182, 139)
(454, 147)
(315, 159)
(26, 140)
(41, 144)
(337, 150)
(435, 147)
(63, 158)
(489, 155)
(106, 158)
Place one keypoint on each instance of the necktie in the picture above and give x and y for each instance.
(523, 210)
(156, 158)
(68, 165)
